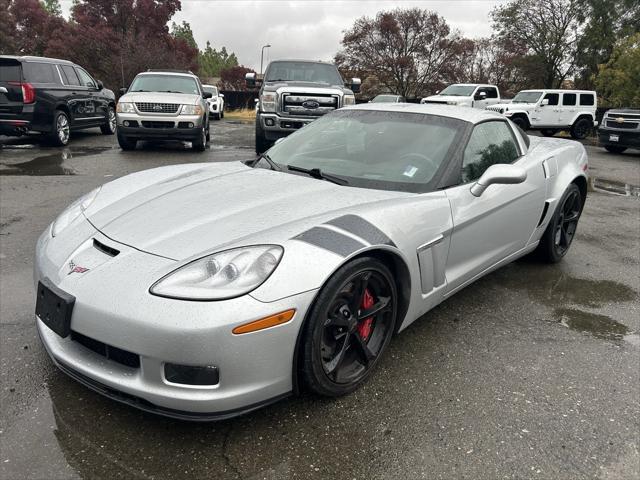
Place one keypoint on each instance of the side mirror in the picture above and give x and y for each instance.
(123, 90)
(250, 79)
(221, 95)
(480, 96)
(355, 85)
(500, 173)
(100, 85)
(544, 102)
(206, 95)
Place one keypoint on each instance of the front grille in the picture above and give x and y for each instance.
(148, 107)
(118, 355)
(624, 125)
(152, 124)
(308, 105)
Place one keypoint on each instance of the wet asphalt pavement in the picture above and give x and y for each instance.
(532, 372)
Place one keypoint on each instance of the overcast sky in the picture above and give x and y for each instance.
(306, 29)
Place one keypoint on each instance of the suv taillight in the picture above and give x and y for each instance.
(28, 92)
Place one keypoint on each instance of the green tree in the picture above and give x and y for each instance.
(618, 80)
(211, 61)
(53, 7)
(184, 32)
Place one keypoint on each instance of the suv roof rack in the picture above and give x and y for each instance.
(169, 70)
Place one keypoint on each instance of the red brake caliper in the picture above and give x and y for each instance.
(364, 327)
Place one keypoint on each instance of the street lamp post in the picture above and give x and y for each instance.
(262, 56)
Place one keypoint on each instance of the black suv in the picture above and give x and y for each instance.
(53, 97)
(620, 129)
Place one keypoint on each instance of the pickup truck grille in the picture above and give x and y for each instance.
(148, 107)
(302, 105)
(627, 125)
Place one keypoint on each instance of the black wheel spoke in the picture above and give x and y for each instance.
(333, 365)
(571, 218)
(363, 349)
(359, 287)
(337, 320)
(381, 305)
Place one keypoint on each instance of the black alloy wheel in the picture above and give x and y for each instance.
(561, 230)
(581, 128)
(109, 127)
(350, 325)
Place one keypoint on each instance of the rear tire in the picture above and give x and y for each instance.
(126, 143)
(560, 232)
(340, 344)
(614, 149)
(581, 128)
(61, 129)
(262, 144)
(109, 128)
(548, 132)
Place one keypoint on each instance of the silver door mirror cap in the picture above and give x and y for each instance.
(544, 102)
(501, 173)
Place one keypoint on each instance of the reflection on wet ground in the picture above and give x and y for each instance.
(52, 164)
(600, 326)
(616, 188)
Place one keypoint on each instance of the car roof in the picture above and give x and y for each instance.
(169, 72)
(472, 85)
(298, 60)
(472, 115)
(29, 58)
(557, 90)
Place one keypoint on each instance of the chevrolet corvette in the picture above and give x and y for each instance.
(208, 290)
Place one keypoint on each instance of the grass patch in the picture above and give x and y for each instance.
(241, 114)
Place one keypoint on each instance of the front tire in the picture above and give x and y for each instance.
(199, 144)
(521, 122)
(581, 128)
(557, 238)
(262, 144)
(126, 143)
(61, 129)
(349, 327)
(614, 149)
(109, 128)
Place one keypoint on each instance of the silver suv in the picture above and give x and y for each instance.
(163, 105)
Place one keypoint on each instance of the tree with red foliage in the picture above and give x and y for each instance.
(28, 27)
(233, 78)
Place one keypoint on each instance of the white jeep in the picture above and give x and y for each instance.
(551, 111)
(475, 95)
(216, 102)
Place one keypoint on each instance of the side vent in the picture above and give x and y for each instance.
(545, 209)
(107, 250)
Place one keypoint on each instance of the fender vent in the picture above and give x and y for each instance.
(545, 209)
(106, 249)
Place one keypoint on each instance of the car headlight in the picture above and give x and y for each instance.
(73, 211)
(221, 276)
(125, 107)
(191, 110)
(349, 100)
(268, 102)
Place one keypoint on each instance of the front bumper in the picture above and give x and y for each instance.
(276, 126)
(160, 126)
(626, 138)
(113, 306)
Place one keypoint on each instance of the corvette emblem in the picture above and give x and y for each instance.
(73, 268)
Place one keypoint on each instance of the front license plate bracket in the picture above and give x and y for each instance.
(54, 307)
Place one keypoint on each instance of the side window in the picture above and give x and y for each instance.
(553, 98)
(85, 78)
(587, 99)
(492, 92)
(40, 73)
(490, 143)
(69, 75)
(568, 99)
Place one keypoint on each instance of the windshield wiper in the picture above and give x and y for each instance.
(317, 173)
(169, 91)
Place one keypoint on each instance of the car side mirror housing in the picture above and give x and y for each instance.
(355, 85)
(500, 173)
(100, 85)
(480, 96)
(123, 90)
(221, 95)
(206, 95)
(250, 79)
(544, 102)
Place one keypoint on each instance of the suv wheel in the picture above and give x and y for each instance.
(521, 122)
(580, 129)
(126, 143)
(199, 144)
(614, 148)
(61, 129)
(109, 128)
(262, 144)
(548, 132)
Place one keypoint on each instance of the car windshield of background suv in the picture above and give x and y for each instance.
(526, 97)
(212, 90)
(303, 72)
(165, 83)
(458, 90)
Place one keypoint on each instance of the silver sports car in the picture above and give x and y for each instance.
(203, 291)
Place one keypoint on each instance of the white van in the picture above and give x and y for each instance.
(551, 111)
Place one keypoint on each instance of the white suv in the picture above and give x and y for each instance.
(551, 111)
(216, 102)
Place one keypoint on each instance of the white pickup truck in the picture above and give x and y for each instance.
(475, 95)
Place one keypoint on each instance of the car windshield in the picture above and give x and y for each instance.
(458, 90)
(212, 90)
(164, 83)
(374, 149)
(526, 97)
(385, 99)
(303, 72)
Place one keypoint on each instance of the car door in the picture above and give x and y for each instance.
(499, 223)
(548, 115)
(77, 98)
(568, 108)
(95, 111)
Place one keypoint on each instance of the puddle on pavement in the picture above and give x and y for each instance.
(613, 187)
(52, 164)
(600, 326)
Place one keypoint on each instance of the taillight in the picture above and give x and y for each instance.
(28, 92)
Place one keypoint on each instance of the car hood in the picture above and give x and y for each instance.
(160, 97)
(213, 206)
(515, 106)
(448, 98)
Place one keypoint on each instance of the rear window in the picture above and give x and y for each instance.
(9, 73)
(587, 99)
(569, 99)
(39, 73)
